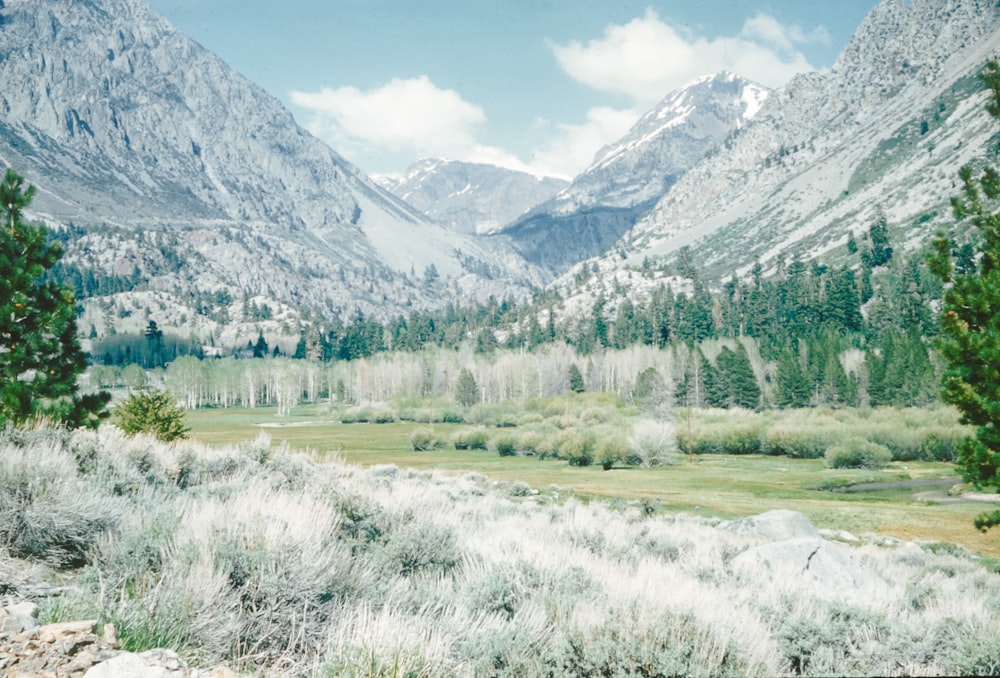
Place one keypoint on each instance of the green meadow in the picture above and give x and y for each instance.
(711, 485)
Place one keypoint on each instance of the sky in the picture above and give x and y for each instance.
(533, 85)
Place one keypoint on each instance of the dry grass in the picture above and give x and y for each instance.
(269, 559)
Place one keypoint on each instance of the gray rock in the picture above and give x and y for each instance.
(151, 664)
(20, 617)
(829, 566)
(777, 525)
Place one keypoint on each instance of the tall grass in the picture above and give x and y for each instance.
(271, 561)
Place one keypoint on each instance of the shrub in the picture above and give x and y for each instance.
(377, 414)
(654, 443)
(858, 453)
(519, 488)
(153, 412)
(611, 450)
(383, 416)
(470, 439)
(505, 446)
(416, 547)
(424, 440)
(801, 441)
(538, 440)
(577, 448)
(501, 415)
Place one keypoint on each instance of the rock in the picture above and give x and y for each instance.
(73, 650)
(217, 672)
(19, 618)
(777, 525)
(839, 535)
(51, 633)
(130, 665)
(831, 567)
(110, 635)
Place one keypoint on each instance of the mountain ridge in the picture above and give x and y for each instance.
(629, 175)
(119, 119)
(470, 197)
(798, 169)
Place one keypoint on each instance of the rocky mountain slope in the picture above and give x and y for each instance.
(182, 170)
(886, 129)
(627, 177)
(471, 198)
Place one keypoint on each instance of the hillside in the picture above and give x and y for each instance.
(179, 168)
(885, 130)
(629, 175)
(471, 198)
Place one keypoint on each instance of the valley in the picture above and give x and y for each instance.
(722, 403)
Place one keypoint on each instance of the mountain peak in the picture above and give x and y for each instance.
(123, 121)
(470, 197)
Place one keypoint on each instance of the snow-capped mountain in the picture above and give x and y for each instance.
(628, 176)
(471, 198)
(124, 123)
(886, 129)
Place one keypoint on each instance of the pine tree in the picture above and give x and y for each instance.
(466, 389)
(40, 355)
(154, 412)
(154, 345)
(743, 388)
(970, 319)
(793, 385)
(260, 348)
(714, 376)
(576, 384)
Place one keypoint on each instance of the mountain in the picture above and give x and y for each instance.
(885, 130)
(628, 176)
(471, 198)
(183, 172)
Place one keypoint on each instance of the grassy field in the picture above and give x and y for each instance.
(709, 485)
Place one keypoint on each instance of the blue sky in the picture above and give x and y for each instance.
(539, 85)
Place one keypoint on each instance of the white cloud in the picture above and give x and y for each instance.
(404, 115)
(644, 59)
(768, 30)
(647, 58)
(571, 147)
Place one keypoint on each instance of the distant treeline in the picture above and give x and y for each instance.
(859, 333)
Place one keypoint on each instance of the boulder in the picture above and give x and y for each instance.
(150, 664)
(829, 566)
(18, 618)
(777, 525)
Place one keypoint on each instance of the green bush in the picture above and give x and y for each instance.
(612, 450)
(368, 415)
(505, 446)
(424, 440)
(414, 547)
(736, 436)
(470, 439)
(858, 453)
(153, 412)
(802, 441)
(577, 448)
(519, 488)
(942, 444)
